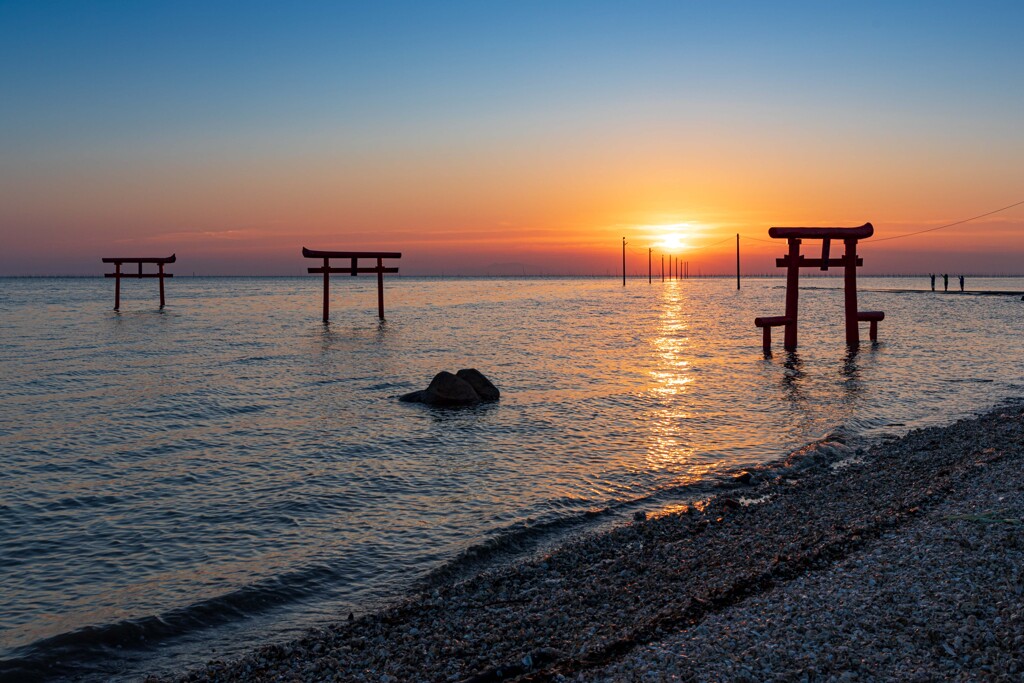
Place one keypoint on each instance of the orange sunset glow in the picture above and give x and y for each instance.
(541, 155)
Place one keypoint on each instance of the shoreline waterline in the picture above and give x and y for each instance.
(587, 606)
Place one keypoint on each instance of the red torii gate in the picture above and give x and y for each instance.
(793, 261)
(354, 270)
(117, 274)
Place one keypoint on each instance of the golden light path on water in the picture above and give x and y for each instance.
(671, 444)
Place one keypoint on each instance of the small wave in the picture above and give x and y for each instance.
(507, 543)
(248, 360)
(84, 649)
(384, 385)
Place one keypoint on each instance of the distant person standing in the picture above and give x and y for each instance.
(945, 282)
(961, 283)
(932, 276)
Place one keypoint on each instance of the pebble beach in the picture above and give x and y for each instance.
(903, 561)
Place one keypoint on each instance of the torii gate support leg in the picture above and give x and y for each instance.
(792, 293)
(161, 285)
(850, 293)
(117, 286)
(327, 290)
(380, 288)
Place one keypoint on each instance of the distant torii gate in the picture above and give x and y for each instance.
(794, 261)
(354, 270)
(117, 274)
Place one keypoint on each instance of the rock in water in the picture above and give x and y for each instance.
(481, 385)
(447, 389)
(412, 397)
(744, 478)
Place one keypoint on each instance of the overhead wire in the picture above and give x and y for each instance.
(715, 244)
(947, 225)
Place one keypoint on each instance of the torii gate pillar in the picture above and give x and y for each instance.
(850, 293)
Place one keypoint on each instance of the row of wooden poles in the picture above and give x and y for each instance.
(793, 262)
(677, 268)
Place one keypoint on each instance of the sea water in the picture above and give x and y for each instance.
(182, 484)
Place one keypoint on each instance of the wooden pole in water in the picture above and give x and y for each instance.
(662, 267)
(117, 285)
(737, 260)
(161, 285)
(649, 250)
(623, 261)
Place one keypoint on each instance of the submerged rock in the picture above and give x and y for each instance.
(447, 389)
(481, 385)
(467, 387)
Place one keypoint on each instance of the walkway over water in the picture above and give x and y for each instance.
(968, 292)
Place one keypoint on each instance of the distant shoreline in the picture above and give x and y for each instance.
(615, 277)
(613, 605)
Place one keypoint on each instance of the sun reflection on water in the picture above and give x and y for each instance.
(669, 444)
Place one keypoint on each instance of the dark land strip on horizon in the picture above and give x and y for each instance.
(598, 607)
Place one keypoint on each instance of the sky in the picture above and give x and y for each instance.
(482, 137)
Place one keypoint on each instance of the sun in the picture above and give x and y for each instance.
(673, 237)
(672, 242)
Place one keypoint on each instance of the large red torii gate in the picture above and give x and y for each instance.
(793, 261)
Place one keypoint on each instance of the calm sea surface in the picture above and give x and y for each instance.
(177, 485)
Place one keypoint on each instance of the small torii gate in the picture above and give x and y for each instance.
(793, 261)
(354, 270)
(117, 274)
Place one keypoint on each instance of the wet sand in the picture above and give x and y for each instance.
(902, 562)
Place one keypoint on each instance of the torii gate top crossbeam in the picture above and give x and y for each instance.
(858, 233)
(320, 253)
(135, 259)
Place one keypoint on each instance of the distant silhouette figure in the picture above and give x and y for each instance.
(932, 276)
(945, 282)
(961, 283)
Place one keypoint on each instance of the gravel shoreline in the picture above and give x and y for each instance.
(904, 562)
